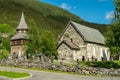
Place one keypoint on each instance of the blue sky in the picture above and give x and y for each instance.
(97, 11)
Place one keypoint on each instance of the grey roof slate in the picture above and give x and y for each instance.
(20, 36)
(22, 24)
(70, 44)
(89, 34)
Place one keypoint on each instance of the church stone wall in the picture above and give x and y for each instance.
(65, 53)
(72, 34)
(97, 52)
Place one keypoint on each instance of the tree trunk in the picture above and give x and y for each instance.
(119, 57)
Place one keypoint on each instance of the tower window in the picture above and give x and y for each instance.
(20, 31)
(24, 31)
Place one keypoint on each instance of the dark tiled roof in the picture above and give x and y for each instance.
(20, 36)
(22, 24)
(70, 44)
(89, 34)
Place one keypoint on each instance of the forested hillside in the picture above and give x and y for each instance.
(45, 16)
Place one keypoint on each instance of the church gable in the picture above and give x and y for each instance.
(64, 52)
(70, 44)
(72, 35)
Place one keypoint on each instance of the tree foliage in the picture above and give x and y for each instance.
(113, 38)
(5, 28)
(6, 44)
(113, 32)
(41, 41)
(4, 54)
(117, 10)
(48, 43)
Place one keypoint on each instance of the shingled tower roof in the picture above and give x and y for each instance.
(21, 30)
(22, 25)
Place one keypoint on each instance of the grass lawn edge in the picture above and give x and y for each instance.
(30, 75)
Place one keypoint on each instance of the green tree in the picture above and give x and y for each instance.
(4, 54)
(41, 41)
(113, 32)
(48, 43)
(6, 44)
(113, 38)
(117, 10)
(34, 35)
(5, 28)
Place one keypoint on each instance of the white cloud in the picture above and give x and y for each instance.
(109, 15)
(65, 6)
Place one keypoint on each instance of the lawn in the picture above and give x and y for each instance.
(11, 74)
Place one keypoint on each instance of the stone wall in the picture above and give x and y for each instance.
(65, 53)
(62, 67)
(71, 33)
(97, 52)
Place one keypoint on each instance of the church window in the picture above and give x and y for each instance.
(83, 58)
(94, 51)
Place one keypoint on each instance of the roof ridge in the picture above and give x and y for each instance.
(84, 25)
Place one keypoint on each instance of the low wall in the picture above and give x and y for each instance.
(62, 67)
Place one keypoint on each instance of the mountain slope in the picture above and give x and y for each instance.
(44, 15)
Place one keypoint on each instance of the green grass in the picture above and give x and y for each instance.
(98, 64)
(13, 74)
(101, 64)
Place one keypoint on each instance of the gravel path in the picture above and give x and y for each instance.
(41, 75)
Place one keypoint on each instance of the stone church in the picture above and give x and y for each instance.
(79, 42)
(19, 39)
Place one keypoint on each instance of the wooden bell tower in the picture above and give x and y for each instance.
(19, 39)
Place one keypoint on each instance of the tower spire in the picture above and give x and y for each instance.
(22, 25)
